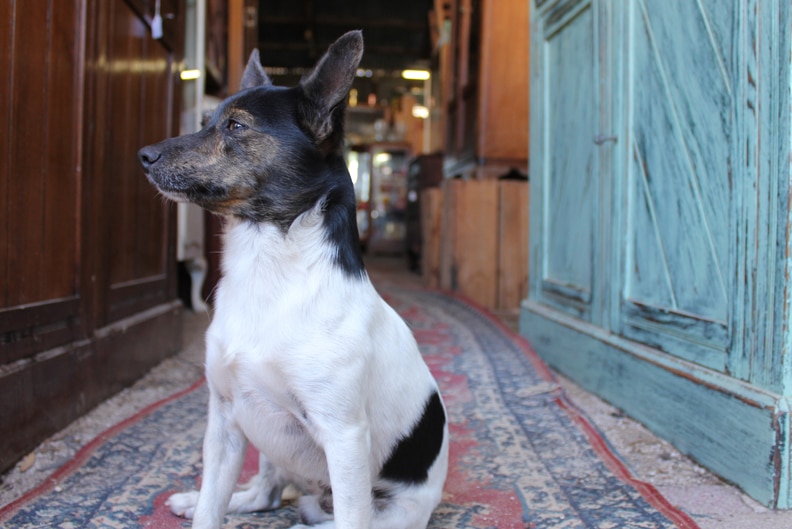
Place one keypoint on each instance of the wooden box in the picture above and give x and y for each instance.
(476, 240)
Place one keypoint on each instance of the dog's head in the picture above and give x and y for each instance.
(268, 153)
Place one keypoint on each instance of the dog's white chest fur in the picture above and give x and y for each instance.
(298, 347)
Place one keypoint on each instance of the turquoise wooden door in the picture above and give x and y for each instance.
(661, 220)
(678, 255)
(569, 187)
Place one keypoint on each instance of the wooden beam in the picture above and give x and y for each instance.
(236, 44)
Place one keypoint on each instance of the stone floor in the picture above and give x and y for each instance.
(712, 503)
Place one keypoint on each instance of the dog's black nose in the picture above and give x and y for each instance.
(148, 156)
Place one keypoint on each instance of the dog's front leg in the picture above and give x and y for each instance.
(223, 454)
(347, 452)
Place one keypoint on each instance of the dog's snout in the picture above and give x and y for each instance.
(148, 156)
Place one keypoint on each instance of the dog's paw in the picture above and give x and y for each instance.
(311, 511)
(183, 503)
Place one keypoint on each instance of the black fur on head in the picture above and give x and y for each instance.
(270, 153)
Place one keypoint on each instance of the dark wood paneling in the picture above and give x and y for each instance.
(39, 174)
(39, 180)
(6, 40)
(27, 330)
(63, 136)
(87, 255)
(24, 204)
(139, 108)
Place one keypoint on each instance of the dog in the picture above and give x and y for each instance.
(304, 359)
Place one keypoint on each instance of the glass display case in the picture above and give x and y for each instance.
(388, 204)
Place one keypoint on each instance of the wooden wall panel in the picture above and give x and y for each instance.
(41, 105)
(138, 105)
(62, 170)
(122, 101)
(87, 257)
(677, 268)
(431, 236)
(566, 192)
(24, 205)
(469, 262)
(513, 244)
(6, 46)
(503, 106)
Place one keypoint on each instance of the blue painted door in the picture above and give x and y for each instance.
(679, 174)
(567, 236)
(634, 148)
(660, 220)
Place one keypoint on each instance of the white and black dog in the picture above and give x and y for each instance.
(303, 358)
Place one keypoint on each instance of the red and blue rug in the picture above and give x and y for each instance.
(521, 455)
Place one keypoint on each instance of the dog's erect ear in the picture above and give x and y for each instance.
(254, 73)
(327, 86)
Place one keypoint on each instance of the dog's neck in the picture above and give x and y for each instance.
(260, 253)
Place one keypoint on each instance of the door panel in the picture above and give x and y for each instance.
(39, 215)
(679, 171)
(87, 261)
(39, 170)
(138, 103)
(569, 191)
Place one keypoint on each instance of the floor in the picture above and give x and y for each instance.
(712, 503)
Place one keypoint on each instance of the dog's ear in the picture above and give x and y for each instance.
(327, 86)
(254, 74)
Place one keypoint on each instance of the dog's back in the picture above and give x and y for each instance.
(304, 358)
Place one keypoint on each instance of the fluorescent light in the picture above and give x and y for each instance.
(416, 75)
(189, 75)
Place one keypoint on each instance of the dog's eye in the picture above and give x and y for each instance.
(234, 125)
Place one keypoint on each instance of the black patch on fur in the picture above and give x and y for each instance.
(414, 455)
(340, 225)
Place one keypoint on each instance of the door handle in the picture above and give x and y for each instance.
(599, 139)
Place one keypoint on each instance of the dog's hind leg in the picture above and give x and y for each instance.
(263, 492)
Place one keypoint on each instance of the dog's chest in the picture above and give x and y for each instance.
(284, 317)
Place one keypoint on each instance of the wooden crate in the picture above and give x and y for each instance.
(513, 248)
(431, 221)
(475, 240)
(470, 239)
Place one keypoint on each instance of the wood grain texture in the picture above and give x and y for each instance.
(503, 100)
(470, 239)
(563, 159)
(431, 227)
(680, 180)
(512, 243)
(686, 322)
(87, 262)
(6, 94)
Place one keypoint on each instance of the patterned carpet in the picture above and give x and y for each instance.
(521, 455)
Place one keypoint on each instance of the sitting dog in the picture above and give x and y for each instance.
(303, 358)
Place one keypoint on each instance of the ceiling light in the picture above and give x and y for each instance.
(189, 75)
(416, 75)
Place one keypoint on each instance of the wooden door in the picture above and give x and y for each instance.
(131, 104)
(678, 254)
(87, 272)
(565, 243)
(40, 157)
(660, 251)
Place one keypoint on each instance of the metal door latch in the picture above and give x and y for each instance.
(599, 139)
